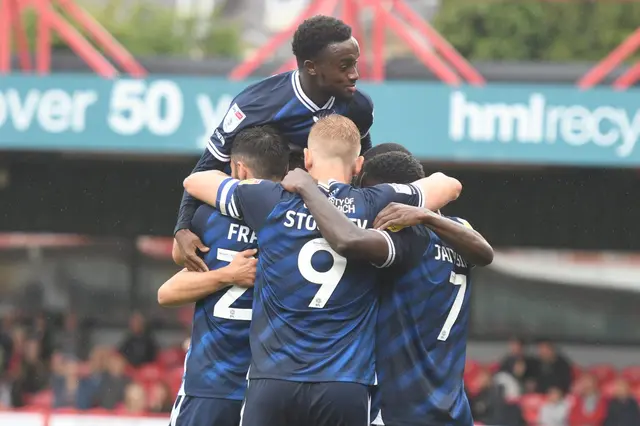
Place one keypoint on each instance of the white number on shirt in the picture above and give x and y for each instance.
(459, 280)
(223, 309)
(328, 281)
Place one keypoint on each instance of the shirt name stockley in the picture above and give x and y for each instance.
(539, 122)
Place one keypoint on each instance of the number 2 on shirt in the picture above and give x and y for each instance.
(222, 308)
(457, 280)
(329, 280)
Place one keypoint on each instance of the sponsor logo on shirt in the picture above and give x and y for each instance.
(249, 181)
(232, 120)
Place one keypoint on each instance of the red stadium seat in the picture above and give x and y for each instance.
(632, 374)
(603, 372)
(636, 391)
(148, 373)
(576, 372)
(171, 357)
(42, 399)
(531, 404)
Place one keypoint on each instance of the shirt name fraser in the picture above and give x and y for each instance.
(537, 122)
(300, 220)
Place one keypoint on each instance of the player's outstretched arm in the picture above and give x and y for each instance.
(188, 287)
(461, 236)
(204, 185)
(439, 190)
(343, 235)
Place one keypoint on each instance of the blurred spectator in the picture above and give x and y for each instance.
(73, 340)
(589, 407)
(623, 408)
(511, 386)
(518, 364)
(489, 405)
(18, 337)
(553, 369)
(138, 347)
(555, 411)
(161, 400)
(135, 401)
(70, 390)
(113, 383)
(6, 346)
(43, 333)
(34, 373)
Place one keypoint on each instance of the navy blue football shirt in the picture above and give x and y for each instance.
(422, 339)
(314, 311)
(280, 101)
(218, 359)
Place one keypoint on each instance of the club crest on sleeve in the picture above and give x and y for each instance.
(249, 181)
(232, 120)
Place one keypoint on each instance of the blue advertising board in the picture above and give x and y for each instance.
(537, 124)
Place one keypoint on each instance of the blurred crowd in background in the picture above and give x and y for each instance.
(45, 365)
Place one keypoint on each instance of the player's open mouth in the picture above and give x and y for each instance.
(351, 89)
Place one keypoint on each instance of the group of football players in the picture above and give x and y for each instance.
(328, 288)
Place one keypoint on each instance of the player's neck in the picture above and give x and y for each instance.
(324, 174)
(312, 91)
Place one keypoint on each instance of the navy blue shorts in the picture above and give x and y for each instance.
(271, 402)
(195, 411)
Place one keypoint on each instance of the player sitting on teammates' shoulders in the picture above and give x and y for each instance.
(324, 83)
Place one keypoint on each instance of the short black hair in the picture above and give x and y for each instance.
(391, 167)
(383, 148)
(263, 150)
(315, 34)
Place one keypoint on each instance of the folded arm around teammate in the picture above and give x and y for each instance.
(338, 230)
(187, 287)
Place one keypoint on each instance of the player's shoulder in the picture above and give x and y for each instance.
(362, 101)
(272, 90)
(206, 215)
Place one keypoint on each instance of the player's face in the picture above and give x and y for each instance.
(337, 69)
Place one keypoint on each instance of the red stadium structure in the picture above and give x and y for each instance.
(395, 15)
(49, 20)
(611, 62)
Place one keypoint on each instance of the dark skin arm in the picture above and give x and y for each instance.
(343, 236)
(464, 239)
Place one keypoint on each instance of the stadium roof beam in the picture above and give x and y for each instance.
(395, 15)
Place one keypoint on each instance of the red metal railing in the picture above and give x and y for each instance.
(394, 15)
(49, 20)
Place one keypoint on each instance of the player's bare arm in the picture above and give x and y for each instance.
(188, 287)
(439, 190)
(204, 185)
(461, 237)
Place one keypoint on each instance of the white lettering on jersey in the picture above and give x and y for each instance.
(298, 220)
(232, 120)
(447, 254)
(345, 205)
(218, 135)
(241, 233)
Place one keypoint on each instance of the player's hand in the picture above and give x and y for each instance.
(189, 243)
(296, 180)
(400, 215)
(242, 268)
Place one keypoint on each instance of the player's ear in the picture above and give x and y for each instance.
(310, 67)
(308, 162)
(243, 172)
(357, 166)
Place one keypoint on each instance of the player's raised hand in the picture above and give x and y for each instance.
(189, 243)
(399, 215)
(243, 268)
(296, 180)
